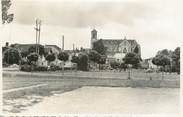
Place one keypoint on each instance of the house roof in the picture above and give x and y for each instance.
(23, 47)
(55, 46)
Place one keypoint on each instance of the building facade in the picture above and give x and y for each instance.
(116, 49)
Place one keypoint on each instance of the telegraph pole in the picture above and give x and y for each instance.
(63, 43)
(39, 34)
(36, 28)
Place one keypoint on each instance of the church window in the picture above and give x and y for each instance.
(124, 50)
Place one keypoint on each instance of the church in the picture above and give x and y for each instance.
(116, 49)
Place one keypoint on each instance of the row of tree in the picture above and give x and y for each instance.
(168, 60)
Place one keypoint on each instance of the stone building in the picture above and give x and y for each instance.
(116, 49)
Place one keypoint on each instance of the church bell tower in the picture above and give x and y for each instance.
(93, 37)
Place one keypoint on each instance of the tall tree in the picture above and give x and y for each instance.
(99, 47)
(83, 62)
(12, 56)
(63, 56)
(94, 56)
(131, 59)
(5, 5)
(176, 59)
(50, 57)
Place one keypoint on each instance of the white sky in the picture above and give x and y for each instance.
(155, 24)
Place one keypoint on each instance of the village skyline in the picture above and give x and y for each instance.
(142, 23)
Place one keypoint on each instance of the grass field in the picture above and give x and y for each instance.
(21, 84)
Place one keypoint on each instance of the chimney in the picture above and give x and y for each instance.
(7, 44)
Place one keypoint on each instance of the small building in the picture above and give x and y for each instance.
(53, 48)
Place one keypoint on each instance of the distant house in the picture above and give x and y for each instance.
(150, 64)
(23, 47)
(53, 48)
(144, 64)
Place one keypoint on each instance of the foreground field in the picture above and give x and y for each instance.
(21, 89)
(109, 100)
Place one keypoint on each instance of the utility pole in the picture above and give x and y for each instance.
(39, 34)
(37, 28)
(63, 43)
(73, 46)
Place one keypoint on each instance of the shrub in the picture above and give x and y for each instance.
(115, 65)
(12, 56)
(83, 62)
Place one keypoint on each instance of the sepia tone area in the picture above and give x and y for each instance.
(108, 57)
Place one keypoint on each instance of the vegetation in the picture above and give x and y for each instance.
(24, 53)
(115, 65)
(94, 56)
(176, 59)
(132, 59)
(6, 18)
(75, 59)
(99, 47)
(12, 56)
(50, 57)
(39, 47)
(32, 58)
(83, 62)
(63, 56)
(168, 60)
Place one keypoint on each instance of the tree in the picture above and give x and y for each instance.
(115, 65)
(94, 56)
(123, 66)
(63, 56)
(136, 50)
(99, 47)
(33, 49)
(12, 56)
(32, 58)
(50, 57)
(6, 18)
(164, 52)
(131, 59)
(161, 60)
(176, 59)
(101, 61)
(83, 62)
(75, 59)
(24, 53)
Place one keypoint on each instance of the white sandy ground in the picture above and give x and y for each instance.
(102, 100)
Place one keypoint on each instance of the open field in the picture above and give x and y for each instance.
(33, 87)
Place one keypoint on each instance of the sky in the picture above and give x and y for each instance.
(154, 24)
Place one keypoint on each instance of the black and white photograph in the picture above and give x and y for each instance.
(91, 57)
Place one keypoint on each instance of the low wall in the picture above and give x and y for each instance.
(111, 82)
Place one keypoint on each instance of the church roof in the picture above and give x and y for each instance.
(113, 44)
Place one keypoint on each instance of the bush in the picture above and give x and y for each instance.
(25, 67)
(32, 57)
(63, 56)
(12, 56)
(83, 62)
(115, 65)
(40, 68)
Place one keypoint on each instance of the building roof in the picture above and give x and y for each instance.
(55, 46)
(23, 47)
(114, 44)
